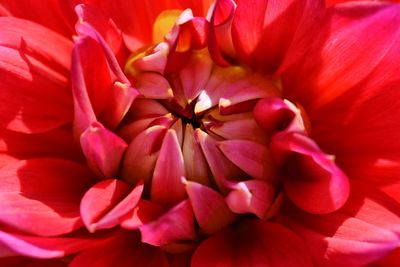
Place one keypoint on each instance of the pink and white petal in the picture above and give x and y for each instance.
(221, 168)
(103, 150)
(57, 16)
(253, 196)
(209, 207)
(25, 66)
(266, 244)
(105, 203)
(141, 155)
(154, 86)
(196, 168)
(41, 196)
(124, 250)
(167, 188)
(365, 230)
(251, 157)
(312, 180)
(176, 225)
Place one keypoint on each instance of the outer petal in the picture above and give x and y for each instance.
(27, 65)
(350, 91)
(363, 231)
(312, 180)
(41, 196)
(262, 31)
(48, 247)
(57, 16)
(253, 243)
(124, 251)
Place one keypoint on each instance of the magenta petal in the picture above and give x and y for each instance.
(251, 196)
(253, 243)
(210, 209)
(106, 202)
(49, 247)
(41, 196)
(103, 150)
(144, 213)
(167, 188)
(312, 180)
(174, 226)
(251, 157)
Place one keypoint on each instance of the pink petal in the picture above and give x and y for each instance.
(221, 168)
(144, 213)
(141, 155)
(154, 86)
(166, 187)
(273, 114)
(251, 196)
(251, 157)
(25, 66)
(105, 26)
(103, 150)
(312, 180)
(41, 196)
(106, 202)
(174, 226)
(123, 251)
(253, 243)
(210, 209)
(49, 247)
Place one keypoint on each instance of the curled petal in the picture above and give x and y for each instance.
(106, 202)
(103, 150)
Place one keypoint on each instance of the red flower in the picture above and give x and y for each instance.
(247, 133)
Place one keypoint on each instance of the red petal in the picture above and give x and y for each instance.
(167, 188)
(210, 209)
(29, 262)
(262, 31)
(57, 16)
(363, 231)
(174, 226)
(27, 65)
(106, 202)
(266, 244)
(311, 178)
(135, 18)
(144, 213)
(41, 196)
(103, 150)
(124, 251)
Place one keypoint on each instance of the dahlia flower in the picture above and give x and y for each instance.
(199, 133)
